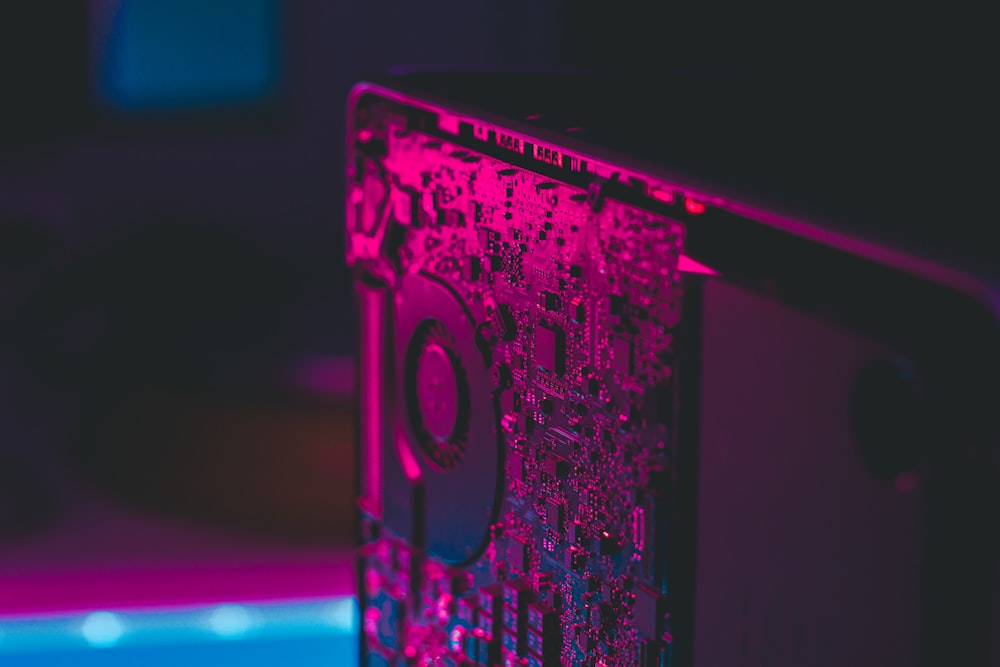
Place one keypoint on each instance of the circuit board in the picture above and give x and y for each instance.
(517, 444)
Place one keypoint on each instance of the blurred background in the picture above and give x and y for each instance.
(176, 319)
(175, 316)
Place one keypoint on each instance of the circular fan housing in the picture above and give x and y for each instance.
(448, 417)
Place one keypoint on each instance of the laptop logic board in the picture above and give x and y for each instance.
(518, 445)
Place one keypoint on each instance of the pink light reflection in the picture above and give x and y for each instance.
(687, 265)
(664, 196)
(694, 207)
(38, 593)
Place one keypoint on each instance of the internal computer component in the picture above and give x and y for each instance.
(518, 444)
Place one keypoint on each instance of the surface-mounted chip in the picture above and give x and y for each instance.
(554, 515)
(516, 467)
(519, 556)
(550, 348)
(648, 612)
(555, 466)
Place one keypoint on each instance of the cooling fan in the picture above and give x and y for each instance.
(445, 420)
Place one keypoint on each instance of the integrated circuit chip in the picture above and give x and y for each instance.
(648, 612)
(519, 556)
(554, 515)
(550, 348)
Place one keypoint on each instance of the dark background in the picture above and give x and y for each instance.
(174, 308)
(171, 246)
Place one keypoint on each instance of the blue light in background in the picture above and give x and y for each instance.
(342, 614)
(305, 634)
(170, 55)
(102, 628)
(231, 620)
